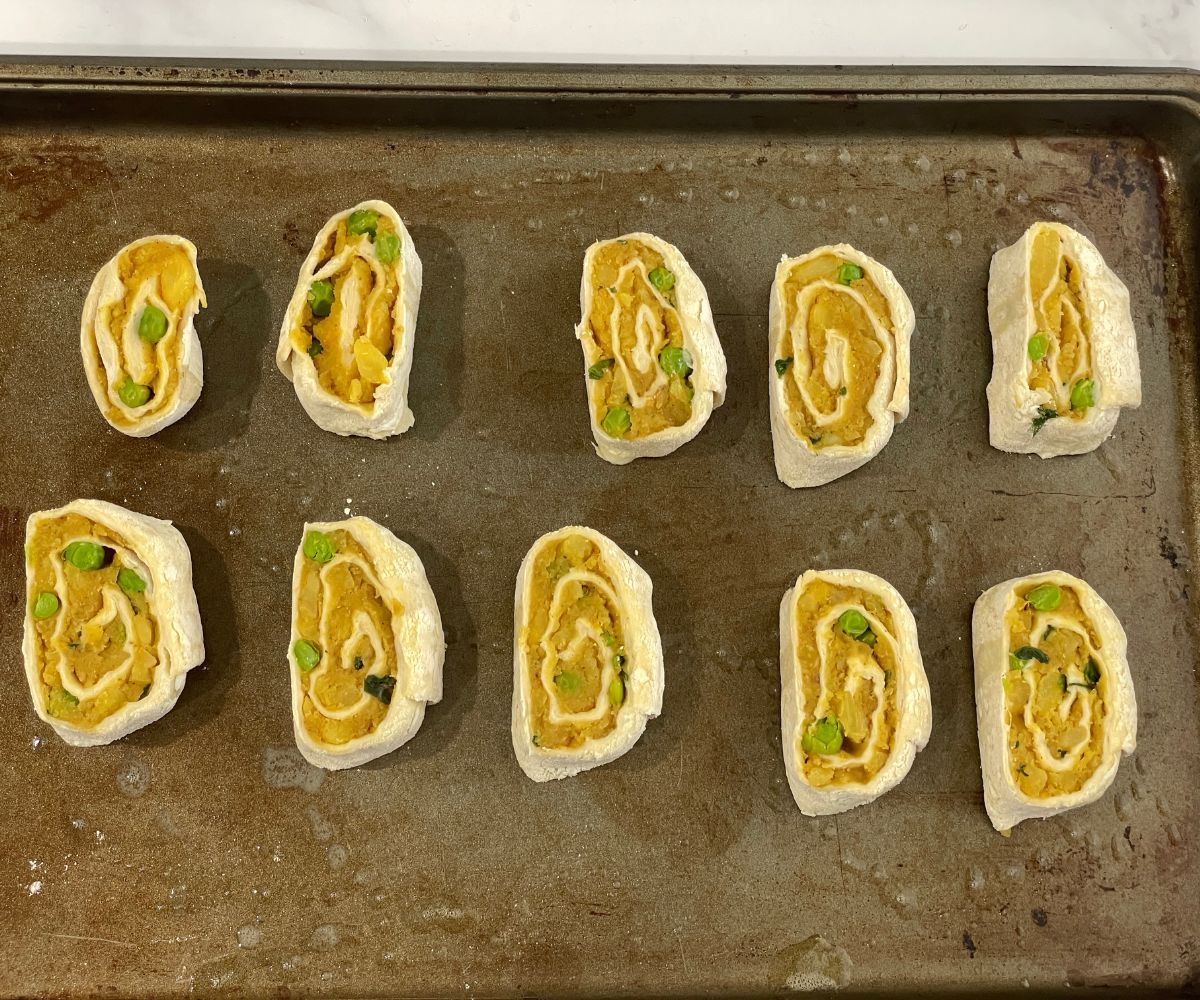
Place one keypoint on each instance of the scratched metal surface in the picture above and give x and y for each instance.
(202, 856)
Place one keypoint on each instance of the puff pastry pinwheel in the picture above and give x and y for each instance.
(840, 329)
(138, 335)
(855, 700)
(1064, 349)
(653, 365)
(111, 622)
(367, 645)
(587, 657)
(1053, 696)
(347, 337)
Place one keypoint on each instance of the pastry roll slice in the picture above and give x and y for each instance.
(1053, 695)
(111, 621)
(367, 644)
(855, 700)
(1064, 350)
(840, 327)
(138, 335)
(347, 338)
(653, 365)
(587, 658)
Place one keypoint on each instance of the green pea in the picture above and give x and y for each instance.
(362, 220)
(662, 279)
(616, 422)
(152, 327)
(824, 736)
(85, 555)
(1083, 394)
(1039, 344)
(849, 272)
(568, 681)
(597, 370)
(782, 365)
(306, 654)
(616, 691)
(133, 394)
(129, 581)
(318, 546)
(315, 347)
(676, 361)
(320, 297)
(45, 605)
(854, 623)
(1047, 597)
(387, 247)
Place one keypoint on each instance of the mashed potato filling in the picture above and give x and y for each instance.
(352, 322)
(846, 658)
(640, 368)
(1060, 356)
(346, 621)
(1055, 692)
(139, 350)
(574, 643)
(837, 327)
(96, 635)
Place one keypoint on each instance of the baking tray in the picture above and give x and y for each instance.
(201, 855)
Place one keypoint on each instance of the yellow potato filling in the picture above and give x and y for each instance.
(346, 657)
(574, 643)
(829, 353)
(640, 372)
(846, 662)
(146, 326)
(350, 324)
(95, 630)
(1060, 356)
(1054, 692)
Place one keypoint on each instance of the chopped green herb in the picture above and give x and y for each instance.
(1061, 753)
(853, 623)
(358, 663)
(315, 347)
(849, 272)
(133, 394)
(814, 438)
(362, 220)
(69, 698)
(662, 279)
(676, 361)
(45, 605)
(86, 555)
(558, 566)
(1083, 394)
(129, 581)
(1045, 413)
(306, 654)
(1091, 672)
(152, 327)
(145, 691)
(1047, 597)
(1032, 653)
(608, 639)
(535, 740)
(320, 297)
(1039, 344)
(824, 736)
(842, 391)
(600, 367)
(1023, 770)
(318, 546)
(616, 422)
(1062, 682)
(380, 687)
(887, 678)
(568, 681)
(782, 365)
(1017, 745)
(1014, 663)
(618, 660)
(387, 247)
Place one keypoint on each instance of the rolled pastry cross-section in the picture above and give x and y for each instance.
(347, 338)
(855, 699)
(367, 645)
(840, 328)
(653, 365)
(587, 657)
(138, 335)
(1053, 696)
(1064, 349)
(111, 623)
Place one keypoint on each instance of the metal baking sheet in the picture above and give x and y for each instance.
(202, 856)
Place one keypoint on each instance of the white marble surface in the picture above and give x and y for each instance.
(911, 32)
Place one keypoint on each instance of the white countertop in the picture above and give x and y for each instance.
(813, 32)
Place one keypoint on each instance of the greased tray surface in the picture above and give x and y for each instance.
(201, 855)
